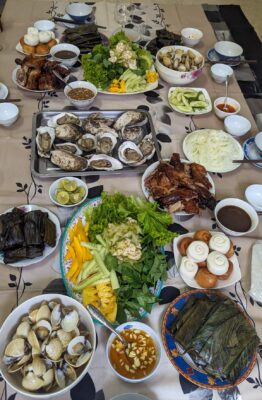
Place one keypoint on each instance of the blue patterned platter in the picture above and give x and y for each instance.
(251, 152)
(182, 362)
(212, 56)
(65, 265)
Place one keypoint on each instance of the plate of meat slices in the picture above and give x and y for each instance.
(179, 186)
(36, 74)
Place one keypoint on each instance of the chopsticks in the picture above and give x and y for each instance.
(69, 21)
(10, 100)
(231, 62)
(245, 161)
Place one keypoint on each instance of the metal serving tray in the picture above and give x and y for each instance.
(43, 168)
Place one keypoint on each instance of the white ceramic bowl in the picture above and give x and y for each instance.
(223, 114)
(228, 49)
(238, 203)
(78, 11)
(55, 185)
(177, 77)
(237, 125)
(44, 25)
(3, 91)
(69, 62)
(8, 114)
(258, 141)
(253, 195)
(81, 84)
(9, 326)
(191, 36)
(219, 72)
(145, 328)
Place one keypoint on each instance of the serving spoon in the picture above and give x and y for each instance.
(225, 101)
(61, 79)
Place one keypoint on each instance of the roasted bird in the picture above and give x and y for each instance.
(37, 73)
(179, 186)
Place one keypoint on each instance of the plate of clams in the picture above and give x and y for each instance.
(91, 143)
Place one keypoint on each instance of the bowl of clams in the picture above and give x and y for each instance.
(47, 346)
(179, 65)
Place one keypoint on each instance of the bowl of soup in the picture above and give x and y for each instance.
(65, 53)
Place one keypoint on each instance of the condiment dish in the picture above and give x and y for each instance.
(65, 47)
(230, 102)
(240, 204)
(11, 322)
(78, 11)
(56, 185)
(148, 330)
(226, 49)
(219, 72)
(80, 84)
(191, 36)
(3, 91)
(253, 195)
(258, 141)
(8, 114)
(44, 25)
(237, 125)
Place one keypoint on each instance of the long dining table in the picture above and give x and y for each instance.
(19, 186)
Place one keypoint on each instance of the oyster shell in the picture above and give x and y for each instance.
(70, 147)
(44, 141)
(132, 133)
(87, 142)
(68, 161)
(129, 118)
(94, 127)
(99, 117)
(129, 153)
(104, 162)
(68, 132)
(105, 143)
(63, 118)
(147, 147)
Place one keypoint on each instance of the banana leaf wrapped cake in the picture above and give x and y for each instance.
(216, 335)
(24, 235)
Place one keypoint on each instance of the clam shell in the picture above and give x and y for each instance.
(43, 313)
(15, 348)
(69, 147)
(64, 337)
(104, 162)
(76, 346)
(130, 154)
(106, 143)
(43, 329)
(60, 378)
(44, 141)
(34, 343)
(23, 329)
(87, 142)
(39, 366)
(56, 315)
(32, 383)
(70, 321)
(48, 377)
(54, 350)
(147, 147)
(63, 118)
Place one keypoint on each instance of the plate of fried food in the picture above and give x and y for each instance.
(36, 42)
(179, 186)
(206, 259)
(36, 74)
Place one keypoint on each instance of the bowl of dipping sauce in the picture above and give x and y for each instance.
(65, 53)
(258, 141)
(222, 110)
(219, 72)
(253, 195)
(44, 25)
(235, 217)
(191, 36)
(227, 49)
(142, 357)
(81, 94)
(78, 11)
(8, 114)
(237, 125)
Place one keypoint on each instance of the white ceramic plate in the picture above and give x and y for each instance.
(19, 48)
(227, 168)
(151, 168)
(68, 25)
(3, 91)
(47, 250)
(205, 93)
(234, 277)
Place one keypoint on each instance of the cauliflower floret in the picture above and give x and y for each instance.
(120, 47)
(132, 64)
(127, 249)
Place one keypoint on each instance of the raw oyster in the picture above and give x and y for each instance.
(63, 118)
(99, 117)
(87, 142)
(68, 132)
(129, 118)
(70, 147)
(95, 126)
(129, 153)
(44, 141)
(105, 143)
(68, 161)
(147, 147)
(133, 133)
(104, 162)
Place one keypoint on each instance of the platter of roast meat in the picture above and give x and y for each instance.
(179, 186)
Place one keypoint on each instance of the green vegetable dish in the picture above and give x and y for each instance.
(124, 235)
(189, 101)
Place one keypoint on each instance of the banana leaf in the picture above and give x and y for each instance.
(50, 233)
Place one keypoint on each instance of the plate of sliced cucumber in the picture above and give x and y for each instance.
(189, 101)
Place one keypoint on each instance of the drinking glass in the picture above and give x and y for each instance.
(122, 13)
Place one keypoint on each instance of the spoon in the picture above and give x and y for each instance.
(104, 321)
(225, 101)
(61, 79)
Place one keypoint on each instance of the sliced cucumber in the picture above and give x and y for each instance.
(198, 104)
(185, 108)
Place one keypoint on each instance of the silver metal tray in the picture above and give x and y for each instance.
(43, 168)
